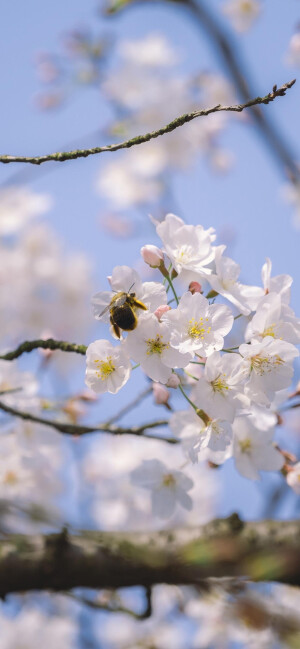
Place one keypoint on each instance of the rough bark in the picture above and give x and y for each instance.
(260, 551)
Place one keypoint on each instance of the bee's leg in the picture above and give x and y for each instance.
(140, 305)
(115, 328)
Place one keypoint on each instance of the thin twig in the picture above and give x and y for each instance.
(140, 139)
(130, 406)
(29, 345)
(77, 430)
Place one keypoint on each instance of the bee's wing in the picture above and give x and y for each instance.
(101, 304)
(119, 300)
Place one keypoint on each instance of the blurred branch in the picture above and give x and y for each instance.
(130, 406)
(260, 551)
(113, 605)
(77, 430)
(29, 345)
(140, 139)
(232, 59)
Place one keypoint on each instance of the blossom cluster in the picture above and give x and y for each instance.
(232, 391)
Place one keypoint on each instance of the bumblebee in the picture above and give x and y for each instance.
(122, 310)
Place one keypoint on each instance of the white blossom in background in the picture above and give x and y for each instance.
(197, 326)
(274, 318)
(168, 487)
(216, 390)
(187, 246)
(108, 368)
(293, 478)
(18, 206)
(293, 54)
(24, 387)
(268, 367)
(153, 51)
(32, 628)
(123, 279)
(225, 281)
(254, 451)
(242, 13)
(291, 193)
(149, 344)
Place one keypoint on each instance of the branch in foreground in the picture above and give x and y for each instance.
(140, 139)
(30, 345)
(260, 551)
(77, 430)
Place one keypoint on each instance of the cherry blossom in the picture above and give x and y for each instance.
(242, 13)
(149, 344)
(168, 487)
(268, 367)
(187, 246)
(274, 318)
(221, 382)
(198, 326)
(254, 451)
(108, 367)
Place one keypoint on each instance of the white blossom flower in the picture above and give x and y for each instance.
(210, 441)
(108, 367)
(125, 279)
(198, 326)
(152, 50)
(293, 478)
(268, 367)
(32, 628)
(242, 13)
(274, 318)
(293, 55)
(253, 449)
(220, 383)
(149, 344)
(18, 205)
(279, 284)
(24, 384)
(225, 281)
(152, 255)
(187, 246)
(168, 487)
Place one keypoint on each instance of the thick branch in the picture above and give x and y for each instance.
(140, 139)
(77, 430)
(29, 345)
(260, 551)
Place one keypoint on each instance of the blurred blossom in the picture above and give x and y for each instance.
(18, 206)
(293, 478)
(291, 193)
(153, 51)
(293, 54)
(242, 13)
(32, 628)
(160, 393)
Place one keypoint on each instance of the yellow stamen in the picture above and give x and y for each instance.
(104, 368)
(245, 445)
(265, 364)
(198, 328)
(156, 345)
(219, 384)
(169, 480)
(10, 478)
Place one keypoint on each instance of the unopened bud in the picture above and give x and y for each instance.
(195, 287)
(152, 255)
(173, 381)
(161, 394)
(161, 310)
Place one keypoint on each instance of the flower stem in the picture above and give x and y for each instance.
(173, 289)
(187, 398)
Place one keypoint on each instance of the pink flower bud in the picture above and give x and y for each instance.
(173, 381)
(161, 310)
(160, 393)
(195, 287)
(152, 255)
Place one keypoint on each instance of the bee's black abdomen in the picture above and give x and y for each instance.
(125, 317)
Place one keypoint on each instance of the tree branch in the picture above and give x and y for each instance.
(77, 430)
(140, 139)
(260, 551)
(29, 345)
